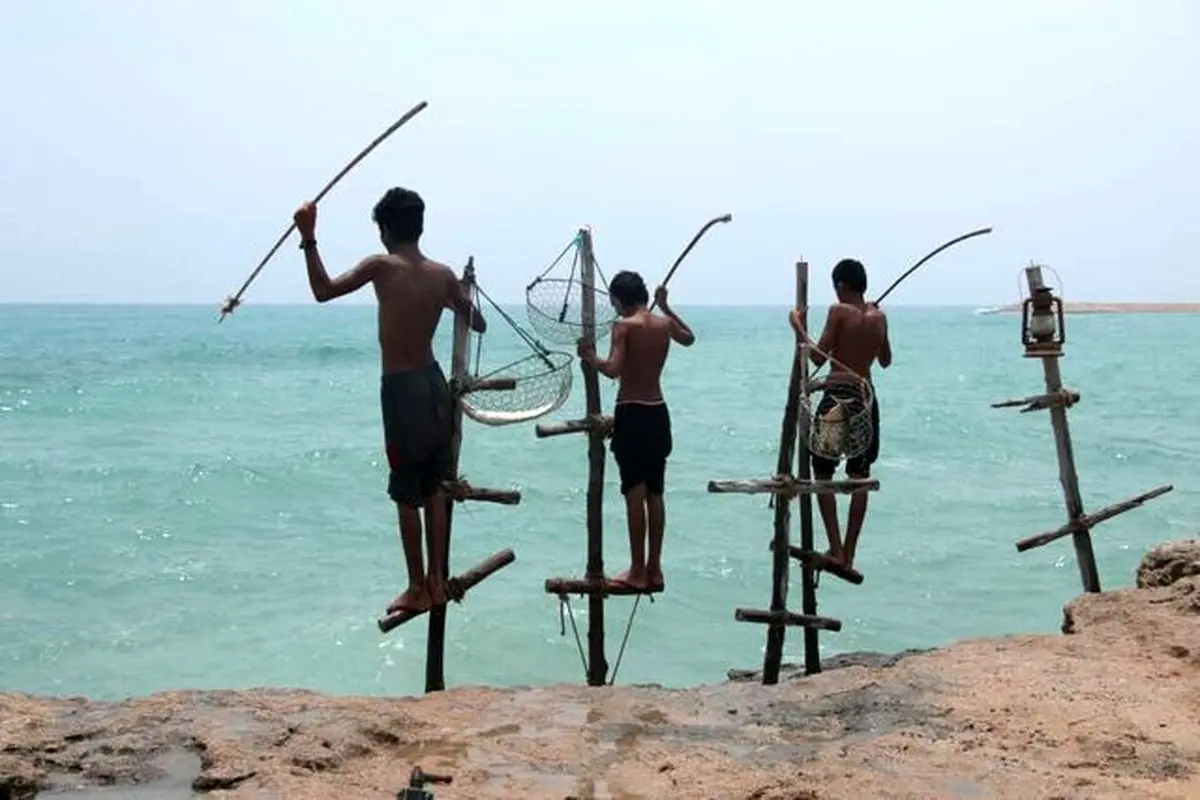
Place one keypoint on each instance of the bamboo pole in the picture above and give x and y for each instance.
(435, 644)
(597, 668)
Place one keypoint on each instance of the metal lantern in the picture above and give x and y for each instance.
(1042, 328)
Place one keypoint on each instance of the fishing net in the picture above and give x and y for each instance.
(543, 384)
(841, 424)
(555, 305)
(542, 380)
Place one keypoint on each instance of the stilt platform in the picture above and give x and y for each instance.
(787, 618)
(822, 563)
(595, 586)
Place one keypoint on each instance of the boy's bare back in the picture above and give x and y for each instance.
(412, 296)
(859, 338)
(646, 340)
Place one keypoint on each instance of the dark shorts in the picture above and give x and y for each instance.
(641, 442)
(860, 465)
(418, 430)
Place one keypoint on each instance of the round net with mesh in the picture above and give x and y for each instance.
(543, 384)
(555, 308)
(554, 305)
(841, 424)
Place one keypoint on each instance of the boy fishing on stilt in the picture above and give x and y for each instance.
(417, 404)
(641, 434)
(854, 338)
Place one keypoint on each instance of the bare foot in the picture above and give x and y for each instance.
(436, 591)
(655, 580)
(631, 579)
(410, 600)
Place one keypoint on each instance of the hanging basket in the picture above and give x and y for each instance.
(841, 424)
(555, 309)
(543, 384)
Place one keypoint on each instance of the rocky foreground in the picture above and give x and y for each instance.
(1112, 709)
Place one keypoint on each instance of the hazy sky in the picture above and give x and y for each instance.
(153, 151)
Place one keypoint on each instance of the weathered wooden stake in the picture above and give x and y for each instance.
(1041, 310)
(435, 643)
(597, 665)
(808, 577)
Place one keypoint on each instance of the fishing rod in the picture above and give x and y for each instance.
(928, 256)
(235, 300)
(688, 249)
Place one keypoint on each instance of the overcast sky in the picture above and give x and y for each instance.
(151, 152)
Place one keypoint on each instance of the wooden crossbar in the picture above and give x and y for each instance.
(456, 588)
(593, 586)
(822, 563)
(782, 618)
(1089, 521)
(597, 423)
(786, 486)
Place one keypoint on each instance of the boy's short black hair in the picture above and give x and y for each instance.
(851, 274)
(400, 213)
(628, 289)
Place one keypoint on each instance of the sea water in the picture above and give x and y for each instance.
(187, 505)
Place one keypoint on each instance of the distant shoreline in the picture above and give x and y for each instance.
(1113, 308)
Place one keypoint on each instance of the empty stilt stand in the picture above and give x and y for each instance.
(785, 485)
(1043, 333)
(458, 491)
(596, 426)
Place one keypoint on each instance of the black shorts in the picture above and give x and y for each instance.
(418, 432)
(860, 465)
(641, 443)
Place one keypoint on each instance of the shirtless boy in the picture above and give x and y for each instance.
(412, 291)
(856, 335)
(641, 436)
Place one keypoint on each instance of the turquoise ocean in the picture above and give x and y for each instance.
(192, 505)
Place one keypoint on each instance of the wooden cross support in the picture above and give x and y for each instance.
(787, 486)
(1057, 400)
(1086, 522)
(456, 588)
(460, 490)
(597, 427)
(465, 384)
(780, 618)
(593, 586)
(823, 563)
(590, 424)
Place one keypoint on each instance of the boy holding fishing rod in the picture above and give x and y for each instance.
(857, 332)
(412, 291)
(641, 435)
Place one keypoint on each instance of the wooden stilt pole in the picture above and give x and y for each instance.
(808, 575)
(773, 658)
(597, 664)
(435, 644)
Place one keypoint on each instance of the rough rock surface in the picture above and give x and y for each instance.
(1108, 711)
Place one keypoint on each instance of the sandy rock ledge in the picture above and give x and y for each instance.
(1109, 710)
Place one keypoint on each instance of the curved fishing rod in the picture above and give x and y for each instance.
(235, 300)
(930, 255)
(688, 249)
